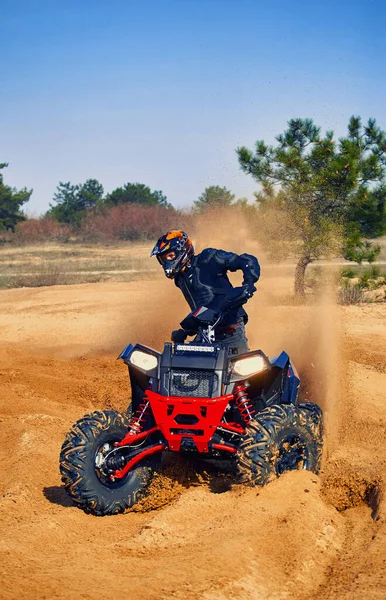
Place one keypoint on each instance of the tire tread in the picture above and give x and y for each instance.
(75, 472)
(257, 453)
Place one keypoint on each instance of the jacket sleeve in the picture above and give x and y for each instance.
(248, 264)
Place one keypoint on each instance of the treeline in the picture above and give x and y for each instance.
(73, 203)
(124, 222)
(83, 212)
(317, 196)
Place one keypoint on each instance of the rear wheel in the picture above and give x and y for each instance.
(81, 457)
(281, 438)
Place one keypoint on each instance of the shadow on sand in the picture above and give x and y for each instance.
(56, 494)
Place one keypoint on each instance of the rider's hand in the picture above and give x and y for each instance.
(249, 290)
(237, 297)
(179, 336)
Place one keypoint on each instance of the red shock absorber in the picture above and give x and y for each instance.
(243, 404)
(138, 418)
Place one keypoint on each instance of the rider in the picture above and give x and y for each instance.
(203, 280)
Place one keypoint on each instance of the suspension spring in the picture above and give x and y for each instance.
(243, 404)
(139, 417)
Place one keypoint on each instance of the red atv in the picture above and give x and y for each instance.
(193, 398)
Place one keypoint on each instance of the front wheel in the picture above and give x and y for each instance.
(80, 457)
(281, 438)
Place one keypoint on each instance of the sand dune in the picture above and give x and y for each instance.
(301, 537)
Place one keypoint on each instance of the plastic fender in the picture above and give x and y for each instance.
(126, 352)
(292, 380)
(280, 360)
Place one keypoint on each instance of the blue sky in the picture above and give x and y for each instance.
(162, 92)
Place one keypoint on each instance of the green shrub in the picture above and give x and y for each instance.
(348, 272)
(375, 272)
(365, 280)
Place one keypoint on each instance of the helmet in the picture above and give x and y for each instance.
(173, 251)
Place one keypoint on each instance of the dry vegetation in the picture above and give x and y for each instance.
(61, 264)
(32, 262)
(53, 263)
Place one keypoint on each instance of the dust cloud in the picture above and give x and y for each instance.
(309, 333)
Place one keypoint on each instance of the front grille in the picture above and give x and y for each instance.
(192, 382)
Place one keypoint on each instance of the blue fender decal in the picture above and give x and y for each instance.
(280, 360)
(126, 351)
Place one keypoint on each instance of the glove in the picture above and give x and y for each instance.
(237, 297)
(249, 290)
(179, 336)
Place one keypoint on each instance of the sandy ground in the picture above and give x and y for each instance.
(301, 537)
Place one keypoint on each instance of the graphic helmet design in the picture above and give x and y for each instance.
(173, 251)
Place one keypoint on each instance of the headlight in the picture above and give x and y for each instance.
(248, 366)
(144, 361)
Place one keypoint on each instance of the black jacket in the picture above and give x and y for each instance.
(205, 282)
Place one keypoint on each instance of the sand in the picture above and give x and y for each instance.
(303, 536)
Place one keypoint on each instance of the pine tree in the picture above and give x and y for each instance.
(136, 193)
(327, 190)
(73, 201)
(11, 201)
(214, 196)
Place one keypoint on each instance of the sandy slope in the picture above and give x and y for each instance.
(301, 537)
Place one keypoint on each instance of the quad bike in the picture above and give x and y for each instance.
(192, 398)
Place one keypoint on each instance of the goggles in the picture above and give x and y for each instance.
(165, 256)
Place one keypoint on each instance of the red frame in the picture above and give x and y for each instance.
(208, 412)
(175, 405)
